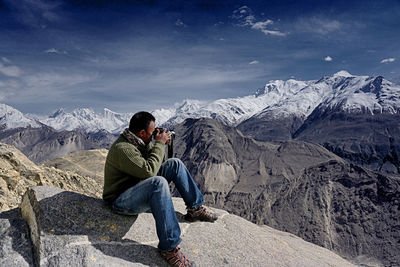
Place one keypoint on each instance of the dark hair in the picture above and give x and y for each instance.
(140, 121)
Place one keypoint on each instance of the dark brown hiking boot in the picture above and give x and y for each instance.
(176, 258)
(200, 214)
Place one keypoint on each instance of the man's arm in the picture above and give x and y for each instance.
(132, 162)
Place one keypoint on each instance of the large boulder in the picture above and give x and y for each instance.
(71, 229)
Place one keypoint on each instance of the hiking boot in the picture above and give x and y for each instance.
(200, 214)
(176, 258)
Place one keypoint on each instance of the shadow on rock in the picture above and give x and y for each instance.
(15, 244)
(84, 224)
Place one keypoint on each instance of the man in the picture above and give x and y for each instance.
(136, 180)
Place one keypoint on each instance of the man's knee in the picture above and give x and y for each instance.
(174, 162)
(160, 182)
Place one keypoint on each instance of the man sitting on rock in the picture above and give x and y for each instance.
(136, 180)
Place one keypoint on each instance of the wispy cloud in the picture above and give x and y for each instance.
(328, 58)
(245, 16)
(180, 23)
(55, 80)
(254, 62)
(318, 25)
(55, 51)
(11, 71)
(35, 13)
(388, 60)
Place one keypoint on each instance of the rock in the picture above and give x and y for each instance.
(15, 243)
(369, 140)
(71, 229)
(17, 173)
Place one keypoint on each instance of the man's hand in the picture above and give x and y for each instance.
(163, 137)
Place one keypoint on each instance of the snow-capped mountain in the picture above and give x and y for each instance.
(278, 99)
(347, 92)
(87, 120)
(299, 98)
(363, 94)
(230, 111)
(11, 118)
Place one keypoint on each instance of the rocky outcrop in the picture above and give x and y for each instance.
(71, 229)
(297, 187)
(17, 173)
(369, 140)
(266, 127)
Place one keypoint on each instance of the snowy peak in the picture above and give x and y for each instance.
(280, 99)
(342, 73)
(87, 120)
(57, 113)
(280, 87)
(11, 118)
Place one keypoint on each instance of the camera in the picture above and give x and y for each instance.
(170, 147)
(161, 130)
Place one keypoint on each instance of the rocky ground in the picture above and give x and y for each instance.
(71, 229)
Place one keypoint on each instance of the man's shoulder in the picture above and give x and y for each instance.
(122, 143)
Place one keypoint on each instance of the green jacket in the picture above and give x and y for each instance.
(128, 164)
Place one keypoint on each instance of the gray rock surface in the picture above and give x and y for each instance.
(71, 229)
(369, 140)
(15, 244)
(269, 128)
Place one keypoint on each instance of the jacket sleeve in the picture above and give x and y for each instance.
(133, 163)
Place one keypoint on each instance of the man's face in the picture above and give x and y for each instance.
(146, 135)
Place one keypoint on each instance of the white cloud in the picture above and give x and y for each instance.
(11, 71)
(180, 23)
(388, 60)
(328, 58)
(245, 17)
(55, 51)
(254, 62)
(261, 25)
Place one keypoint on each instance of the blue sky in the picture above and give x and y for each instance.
(141, 55)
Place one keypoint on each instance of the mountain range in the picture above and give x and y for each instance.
(350, 93)
(294, 186)
(356, 117)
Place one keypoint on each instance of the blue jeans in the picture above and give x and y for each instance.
(153, 195)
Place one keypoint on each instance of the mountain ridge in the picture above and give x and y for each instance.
(278, 98)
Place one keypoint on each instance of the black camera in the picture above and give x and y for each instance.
(170, 147)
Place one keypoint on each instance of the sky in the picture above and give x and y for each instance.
(142, 55)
